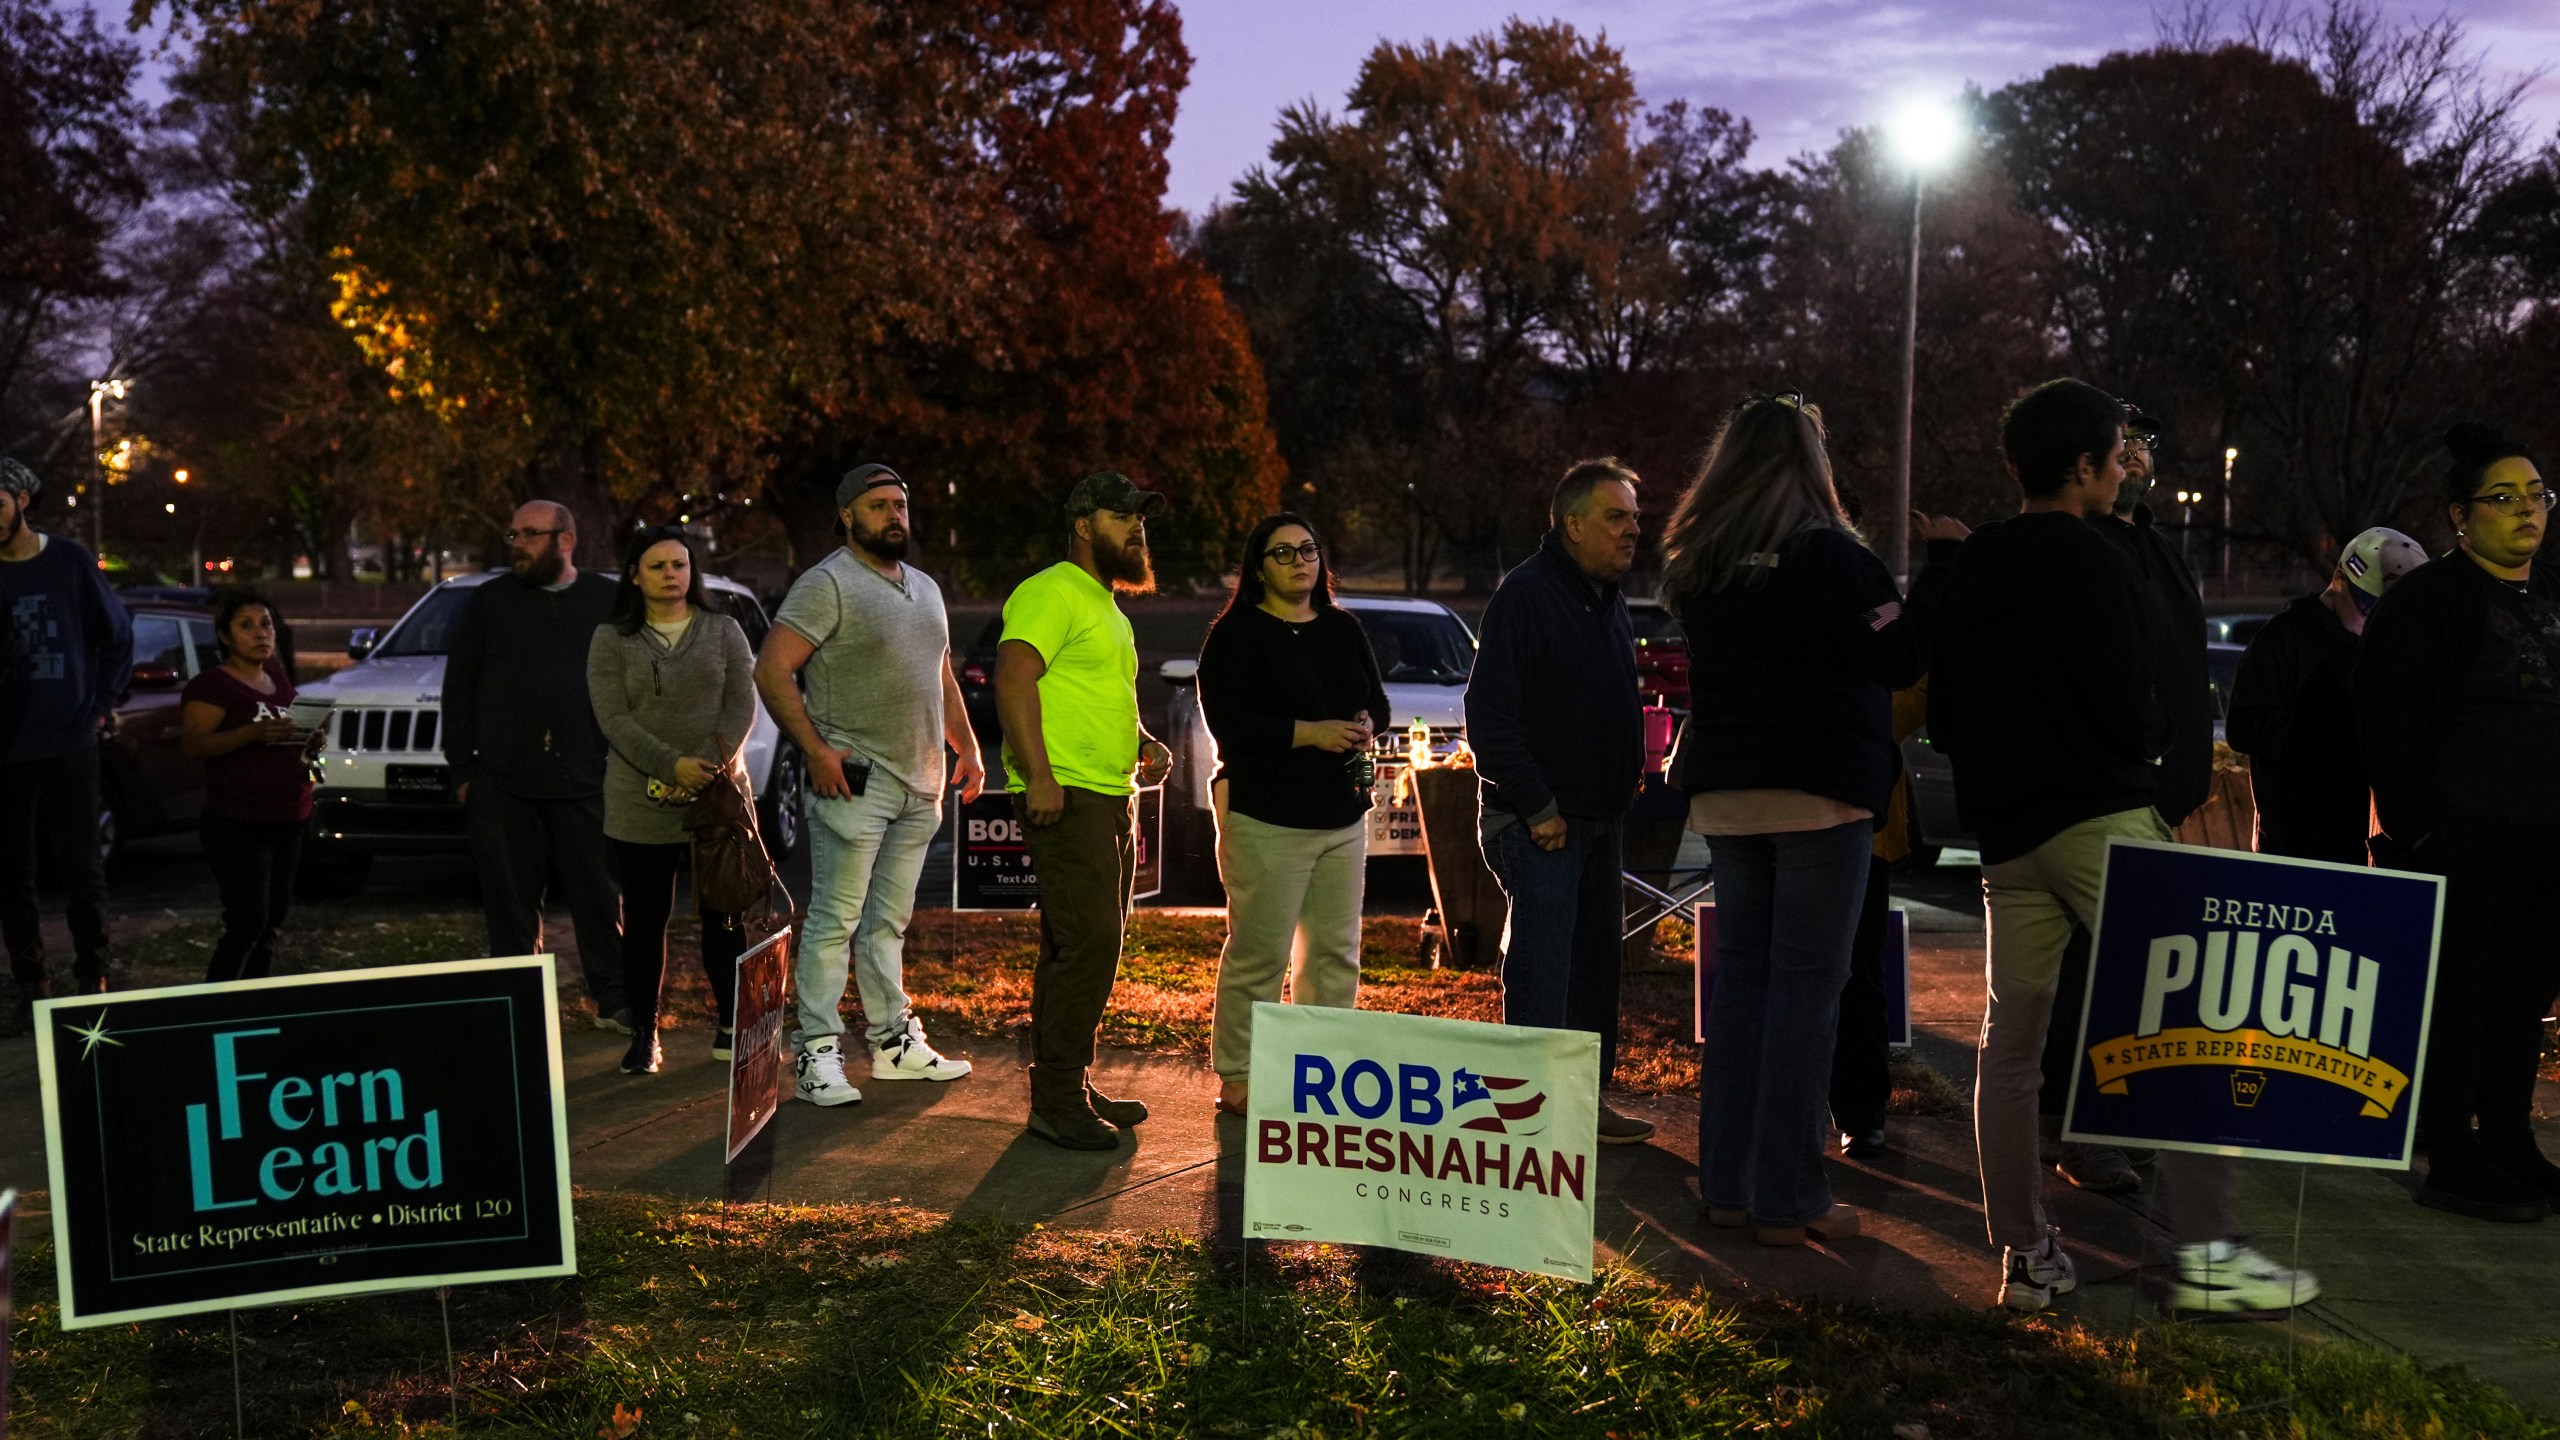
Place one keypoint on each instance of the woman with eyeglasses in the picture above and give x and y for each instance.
(1292, 694)
(2457, 693)
(1797, 640)
(673, 684)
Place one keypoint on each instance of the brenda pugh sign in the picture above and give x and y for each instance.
(756, 1041)
(2253, 1005)
(262, 1141)
(1445, 1137)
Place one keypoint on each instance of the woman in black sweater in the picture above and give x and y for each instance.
(1292, 696)
(2457, 689)
(1796, 642)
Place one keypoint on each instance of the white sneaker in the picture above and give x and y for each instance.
(2035, 1277)
(908, 1057)
(2223, 1276)
(822, 1079)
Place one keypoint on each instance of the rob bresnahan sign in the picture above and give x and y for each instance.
(2254, 1005)
(1444, 1137)
(263, 1141)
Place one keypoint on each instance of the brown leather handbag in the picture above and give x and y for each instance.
(732, 873)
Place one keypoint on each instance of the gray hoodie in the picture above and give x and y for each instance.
(658, 704)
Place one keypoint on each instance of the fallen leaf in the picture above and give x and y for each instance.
(624, 1424)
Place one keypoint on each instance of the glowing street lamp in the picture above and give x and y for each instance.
(100, 392)
(2230, 457)
(1923, 136)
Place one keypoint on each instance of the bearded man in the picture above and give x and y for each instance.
(857, 672)
(526, 753)
(1067, 690)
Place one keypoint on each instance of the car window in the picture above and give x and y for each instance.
(2222, 664)
(427, 630)
(158, 640)
(989, 637)
(208, 654)
(742, 607)
(1655, 623)
(1419, 648)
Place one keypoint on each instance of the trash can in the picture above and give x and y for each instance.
(1471, 903)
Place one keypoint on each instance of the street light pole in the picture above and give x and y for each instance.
(2230, 457)
(1910, 363)
(99, 390)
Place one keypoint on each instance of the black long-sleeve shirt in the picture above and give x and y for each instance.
(2457, 689)
(1792, 678)
(516, 710)
(1552, 713)
(2186, 689)
(1259, 676)
(2045, 686)
(2293, 714)
(66, 652)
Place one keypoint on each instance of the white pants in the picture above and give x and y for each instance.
(1293, 908)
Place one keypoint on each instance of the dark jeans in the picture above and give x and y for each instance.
(1561, 956)
(253, 863)
(50, 807)
(1862, 1052)
(1786, 914)
(521, 846)
(2496, 974)
(1087, 862)
(648, 877)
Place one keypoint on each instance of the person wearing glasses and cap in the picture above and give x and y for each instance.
(2457, 691)
(527, 755)
(2293, 707)
(1067, 691)
(66, 653)
(866, 633)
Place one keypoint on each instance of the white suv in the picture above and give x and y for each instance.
(386, 789)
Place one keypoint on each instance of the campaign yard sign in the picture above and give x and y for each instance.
(263, 1141)
(756, 1039)
(991, 866)
(2255, 1005)
(1443, 1137)
(1897, 972)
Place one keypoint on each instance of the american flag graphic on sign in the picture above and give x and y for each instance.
(1492, 1103)
(1884, 614)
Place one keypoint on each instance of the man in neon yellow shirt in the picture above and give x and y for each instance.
(1067, 691)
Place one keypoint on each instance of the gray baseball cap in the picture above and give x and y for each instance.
(862, 479)
(1111, 490)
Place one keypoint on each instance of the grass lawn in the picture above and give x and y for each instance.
(780, 1321)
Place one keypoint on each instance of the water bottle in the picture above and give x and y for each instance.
(1417, 745)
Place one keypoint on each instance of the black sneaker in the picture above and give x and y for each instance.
(2522, 1160)
(2462, 1181)
(644, 1057)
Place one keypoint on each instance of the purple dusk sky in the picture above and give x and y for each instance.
(1799, 70)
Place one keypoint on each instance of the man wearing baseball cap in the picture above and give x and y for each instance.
(866, 633)
(66, 653)
(1067, 690)
(2293, 707)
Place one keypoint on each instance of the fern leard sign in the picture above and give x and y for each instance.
(2256, 1005)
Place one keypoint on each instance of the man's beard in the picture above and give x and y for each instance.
(889, 542)
(2130, 494)
(543, 572)
(1124, 568)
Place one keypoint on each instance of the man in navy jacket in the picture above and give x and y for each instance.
(1558, 736)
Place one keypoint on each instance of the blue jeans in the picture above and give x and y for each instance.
(1765, 1079)
(1561, 946)
(865, 856)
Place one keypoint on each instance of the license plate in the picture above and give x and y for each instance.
(419, 782)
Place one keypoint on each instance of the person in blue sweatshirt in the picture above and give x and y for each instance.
(66, 653)
(1558, 735)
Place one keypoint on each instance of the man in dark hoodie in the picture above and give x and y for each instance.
(1558, 736)
(527, 755)
(2048, 695)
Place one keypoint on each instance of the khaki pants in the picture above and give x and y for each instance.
(2035, 900)
(1087, 861)
(1293, 907)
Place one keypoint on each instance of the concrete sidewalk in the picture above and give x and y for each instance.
(2440, 1288)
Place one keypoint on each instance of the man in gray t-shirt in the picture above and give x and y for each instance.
(866, 634)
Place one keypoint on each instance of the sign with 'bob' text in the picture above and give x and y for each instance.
(1443, 1137)
(2256, 1005)
(262, 1141)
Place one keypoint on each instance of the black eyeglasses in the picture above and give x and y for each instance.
(513, 536)
(1282, 554)
(2510, 502)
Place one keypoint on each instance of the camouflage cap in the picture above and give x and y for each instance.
(1111, 490)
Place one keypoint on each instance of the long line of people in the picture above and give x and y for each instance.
(2057, 655)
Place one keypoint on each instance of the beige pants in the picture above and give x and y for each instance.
(2036, 899)
(1293, 908)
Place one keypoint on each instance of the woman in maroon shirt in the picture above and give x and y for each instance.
(237, 719)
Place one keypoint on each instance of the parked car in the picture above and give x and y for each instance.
(1425, 654)
(1662, 655)
(1933, 781)
(146, 785)
(386, 789)
(2235, 629)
